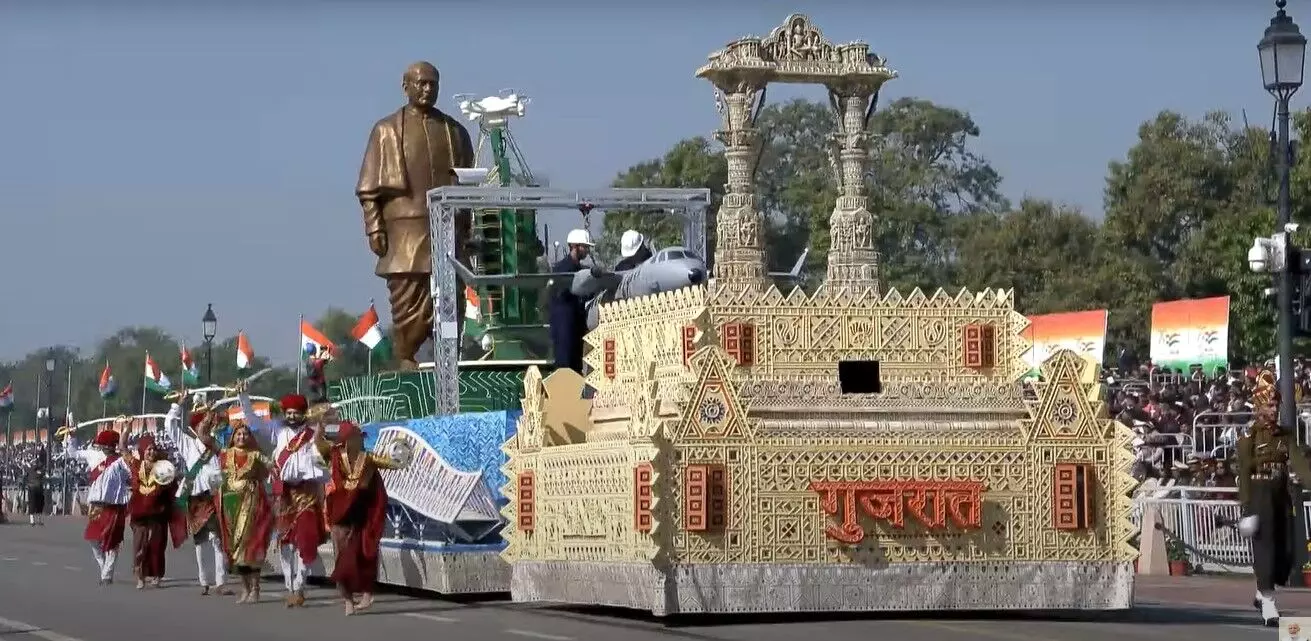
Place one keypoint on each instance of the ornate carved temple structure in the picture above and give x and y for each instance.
(751, 450)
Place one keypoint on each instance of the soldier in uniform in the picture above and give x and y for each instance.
(1271, 471)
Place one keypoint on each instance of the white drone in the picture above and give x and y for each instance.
(493, 110)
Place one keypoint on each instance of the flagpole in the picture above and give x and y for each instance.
(369, 369)
(143, 385)
(300, 355)
(68, 420)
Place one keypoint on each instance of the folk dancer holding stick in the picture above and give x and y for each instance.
(196, 514)
(150, 506)
(110, 489)
(297, 486)
(357, 510)
(1271, 474)
(245, 511)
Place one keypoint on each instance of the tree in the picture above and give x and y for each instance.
(1042, 250)
(125, 351)
(922, 174)
(691, 163)
(1183, 207)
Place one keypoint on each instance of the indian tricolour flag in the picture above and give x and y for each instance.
(190, 373)
(473, 314)
(1081, 332)
(313, 344)
(245, 355)
(156, 380)
(368, 330)
(1191, 332)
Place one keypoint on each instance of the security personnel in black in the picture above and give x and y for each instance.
(1271, 474)
(568, 314)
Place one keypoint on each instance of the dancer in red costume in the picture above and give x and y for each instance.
(110, 489)
(150, 508)
(297, 488)
(357, 510)
(245, 513)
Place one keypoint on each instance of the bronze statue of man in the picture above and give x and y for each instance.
(410, 152)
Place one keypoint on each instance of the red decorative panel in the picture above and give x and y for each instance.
(689, 342)
(643, 475)
(980, 346)
(705, 498)
(609, 359)
(718, 497)
(527, 498)
(739, 340)
(1072, 496)
(696, 507)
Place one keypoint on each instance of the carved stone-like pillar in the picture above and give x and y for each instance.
(852, 259)
(739, 227)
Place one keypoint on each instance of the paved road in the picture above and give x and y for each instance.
(48, 591)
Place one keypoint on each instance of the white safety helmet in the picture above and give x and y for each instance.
(630, 243)
(579, 237)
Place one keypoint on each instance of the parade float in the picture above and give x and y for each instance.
(744, 448)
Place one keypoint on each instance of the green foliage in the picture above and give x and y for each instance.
(125, 352)
(1181, 209)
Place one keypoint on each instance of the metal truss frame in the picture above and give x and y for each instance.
(443, 202)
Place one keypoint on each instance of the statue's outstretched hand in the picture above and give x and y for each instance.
(378, 243)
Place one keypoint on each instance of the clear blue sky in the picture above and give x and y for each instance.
(144, 144)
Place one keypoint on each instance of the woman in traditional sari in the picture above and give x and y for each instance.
(150, 509)
(356, 510)
(245, 513)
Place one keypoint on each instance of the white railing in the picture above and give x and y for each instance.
(1190, 513)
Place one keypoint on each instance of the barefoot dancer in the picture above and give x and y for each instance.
(150, 508)
(245, 514)
(110, 488)
(357, 510)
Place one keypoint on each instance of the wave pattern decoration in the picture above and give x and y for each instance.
(460, 501)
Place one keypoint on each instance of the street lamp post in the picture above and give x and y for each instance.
(210, 323)
(1283, 53)
(48, 463)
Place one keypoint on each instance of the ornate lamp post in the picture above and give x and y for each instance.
(210, 323)
(1283, 55)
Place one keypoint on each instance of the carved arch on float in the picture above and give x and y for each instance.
(795, 52)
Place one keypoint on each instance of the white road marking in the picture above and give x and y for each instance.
(10, 559)
(430, 617)
(18, 627)
(538, 635)
(40, 563)
(72, 568)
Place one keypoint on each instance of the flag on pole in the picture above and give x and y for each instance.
(190, 373)
(7, 396)
(369, 331)
(245, 355)
(473, 314)
(313, 344)
(108, 386)
(156, 380)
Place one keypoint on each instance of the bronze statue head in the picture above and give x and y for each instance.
(421, 82)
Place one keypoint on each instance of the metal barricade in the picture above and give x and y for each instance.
(1189, 514)
(1216, 433)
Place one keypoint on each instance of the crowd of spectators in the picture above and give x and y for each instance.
(1186, 425)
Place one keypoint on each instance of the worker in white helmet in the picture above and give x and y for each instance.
(633, 249)
(568, 315)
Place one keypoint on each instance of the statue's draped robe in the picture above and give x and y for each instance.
(409, 153)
